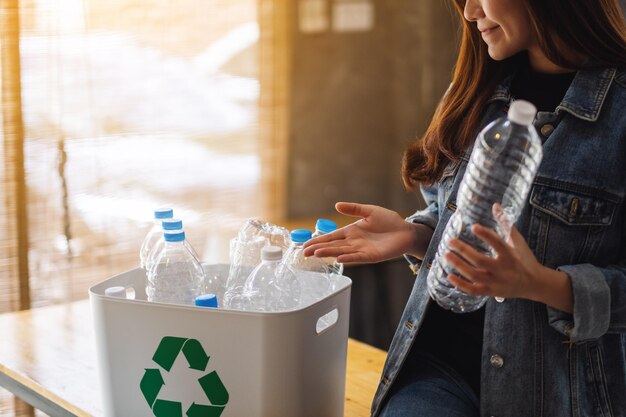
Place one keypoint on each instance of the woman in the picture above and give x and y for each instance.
(555, 344)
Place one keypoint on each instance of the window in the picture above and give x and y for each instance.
(126, 106)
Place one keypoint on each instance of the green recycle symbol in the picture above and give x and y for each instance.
(211, 384)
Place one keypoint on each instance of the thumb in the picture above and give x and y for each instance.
(515, 238)
(354, 209)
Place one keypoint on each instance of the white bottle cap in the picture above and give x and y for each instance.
(119, 292)
(522, 112)
(271, 253)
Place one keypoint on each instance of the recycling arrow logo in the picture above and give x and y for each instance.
(211, 384)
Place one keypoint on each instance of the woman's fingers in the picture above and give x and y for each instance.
(332, 251)
(465, 269)
(337, 235)
(470, 254)
(315, 244)
(354, 209)
(468, 287)
(491, 238)
(349, 258)
(517, 239)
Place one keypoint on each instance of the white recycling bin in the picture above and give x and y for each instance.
(168, 360)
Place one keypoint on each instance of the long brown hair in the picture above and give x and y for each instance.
(591, 28)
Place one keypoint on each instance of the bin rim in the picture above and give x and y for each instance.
(94, 295)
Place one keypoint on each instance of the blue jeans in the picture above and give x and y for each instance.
(427, 387)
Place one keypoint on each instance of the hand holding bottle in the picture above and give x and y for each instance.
(379, 235)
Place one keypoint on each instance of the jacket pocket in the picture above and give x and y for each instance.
(568, 222)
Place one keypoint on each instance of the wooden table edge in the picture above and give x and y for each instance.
(37, 396)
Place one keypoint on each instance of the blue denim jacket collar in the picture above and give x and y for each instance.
(584, 98)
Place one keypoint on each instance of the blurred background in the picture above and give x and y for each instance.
(222, 109)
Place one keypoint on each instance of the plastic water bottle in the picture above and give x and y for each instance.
(154, 234)
(260, 291)
(503, 164)
(322, 227)
(177, 276)
(289, 289)
(166, 225)
(245, 252)
(312, 271)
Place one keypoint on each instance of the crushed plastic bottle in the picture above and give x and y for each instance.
(335, 269)
(312, 272)
(245, 252)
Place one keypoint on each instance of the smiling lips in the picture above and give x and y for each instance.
(487, 31)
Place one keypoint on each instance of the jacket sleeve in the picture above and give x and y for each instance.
(599, 300)
(428, 216)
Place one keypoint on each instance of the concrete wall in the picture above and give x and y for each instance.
(357, 98)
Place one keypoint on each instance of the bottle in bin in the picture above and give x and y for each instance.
(502, 166)
(335, 269)
(176, 276)
(214, 283)
(245, 251)
(154, 234)
(261, 291)
(312, 272)
(166, 225)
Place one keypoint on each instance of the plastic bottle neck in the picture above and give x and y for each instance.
(174, 245)
(270, 261)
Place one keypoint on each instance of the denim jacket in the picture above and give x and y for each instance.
(538, 361)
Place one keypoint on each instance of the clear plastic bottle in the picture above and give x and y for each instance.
(154, 234)
(166, 225)
(177, 276)
(322, 227)
(312, 272)
(503, 164)
(245, 252)
(260, 291)
(289, 289)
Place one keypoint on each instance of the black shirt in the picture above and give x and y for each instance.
(543, 90)
(457, 338)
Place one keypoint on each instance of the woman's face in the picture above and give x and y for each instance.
(504, 25)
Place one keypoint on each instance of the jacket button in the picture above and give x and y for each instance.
(547, 129)
(496, 361)
(500, 299)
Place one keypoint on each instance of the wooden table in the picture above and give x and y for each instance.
(48, 358)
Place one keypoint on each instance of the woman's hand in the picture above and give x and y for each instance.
(379, 235)
(513, 273)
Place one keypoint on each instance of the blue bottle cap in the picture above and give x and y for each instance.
(300, 235)
(174, 235)
(172, 224)
(325, 226)
(163, 213)
(206, 300)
